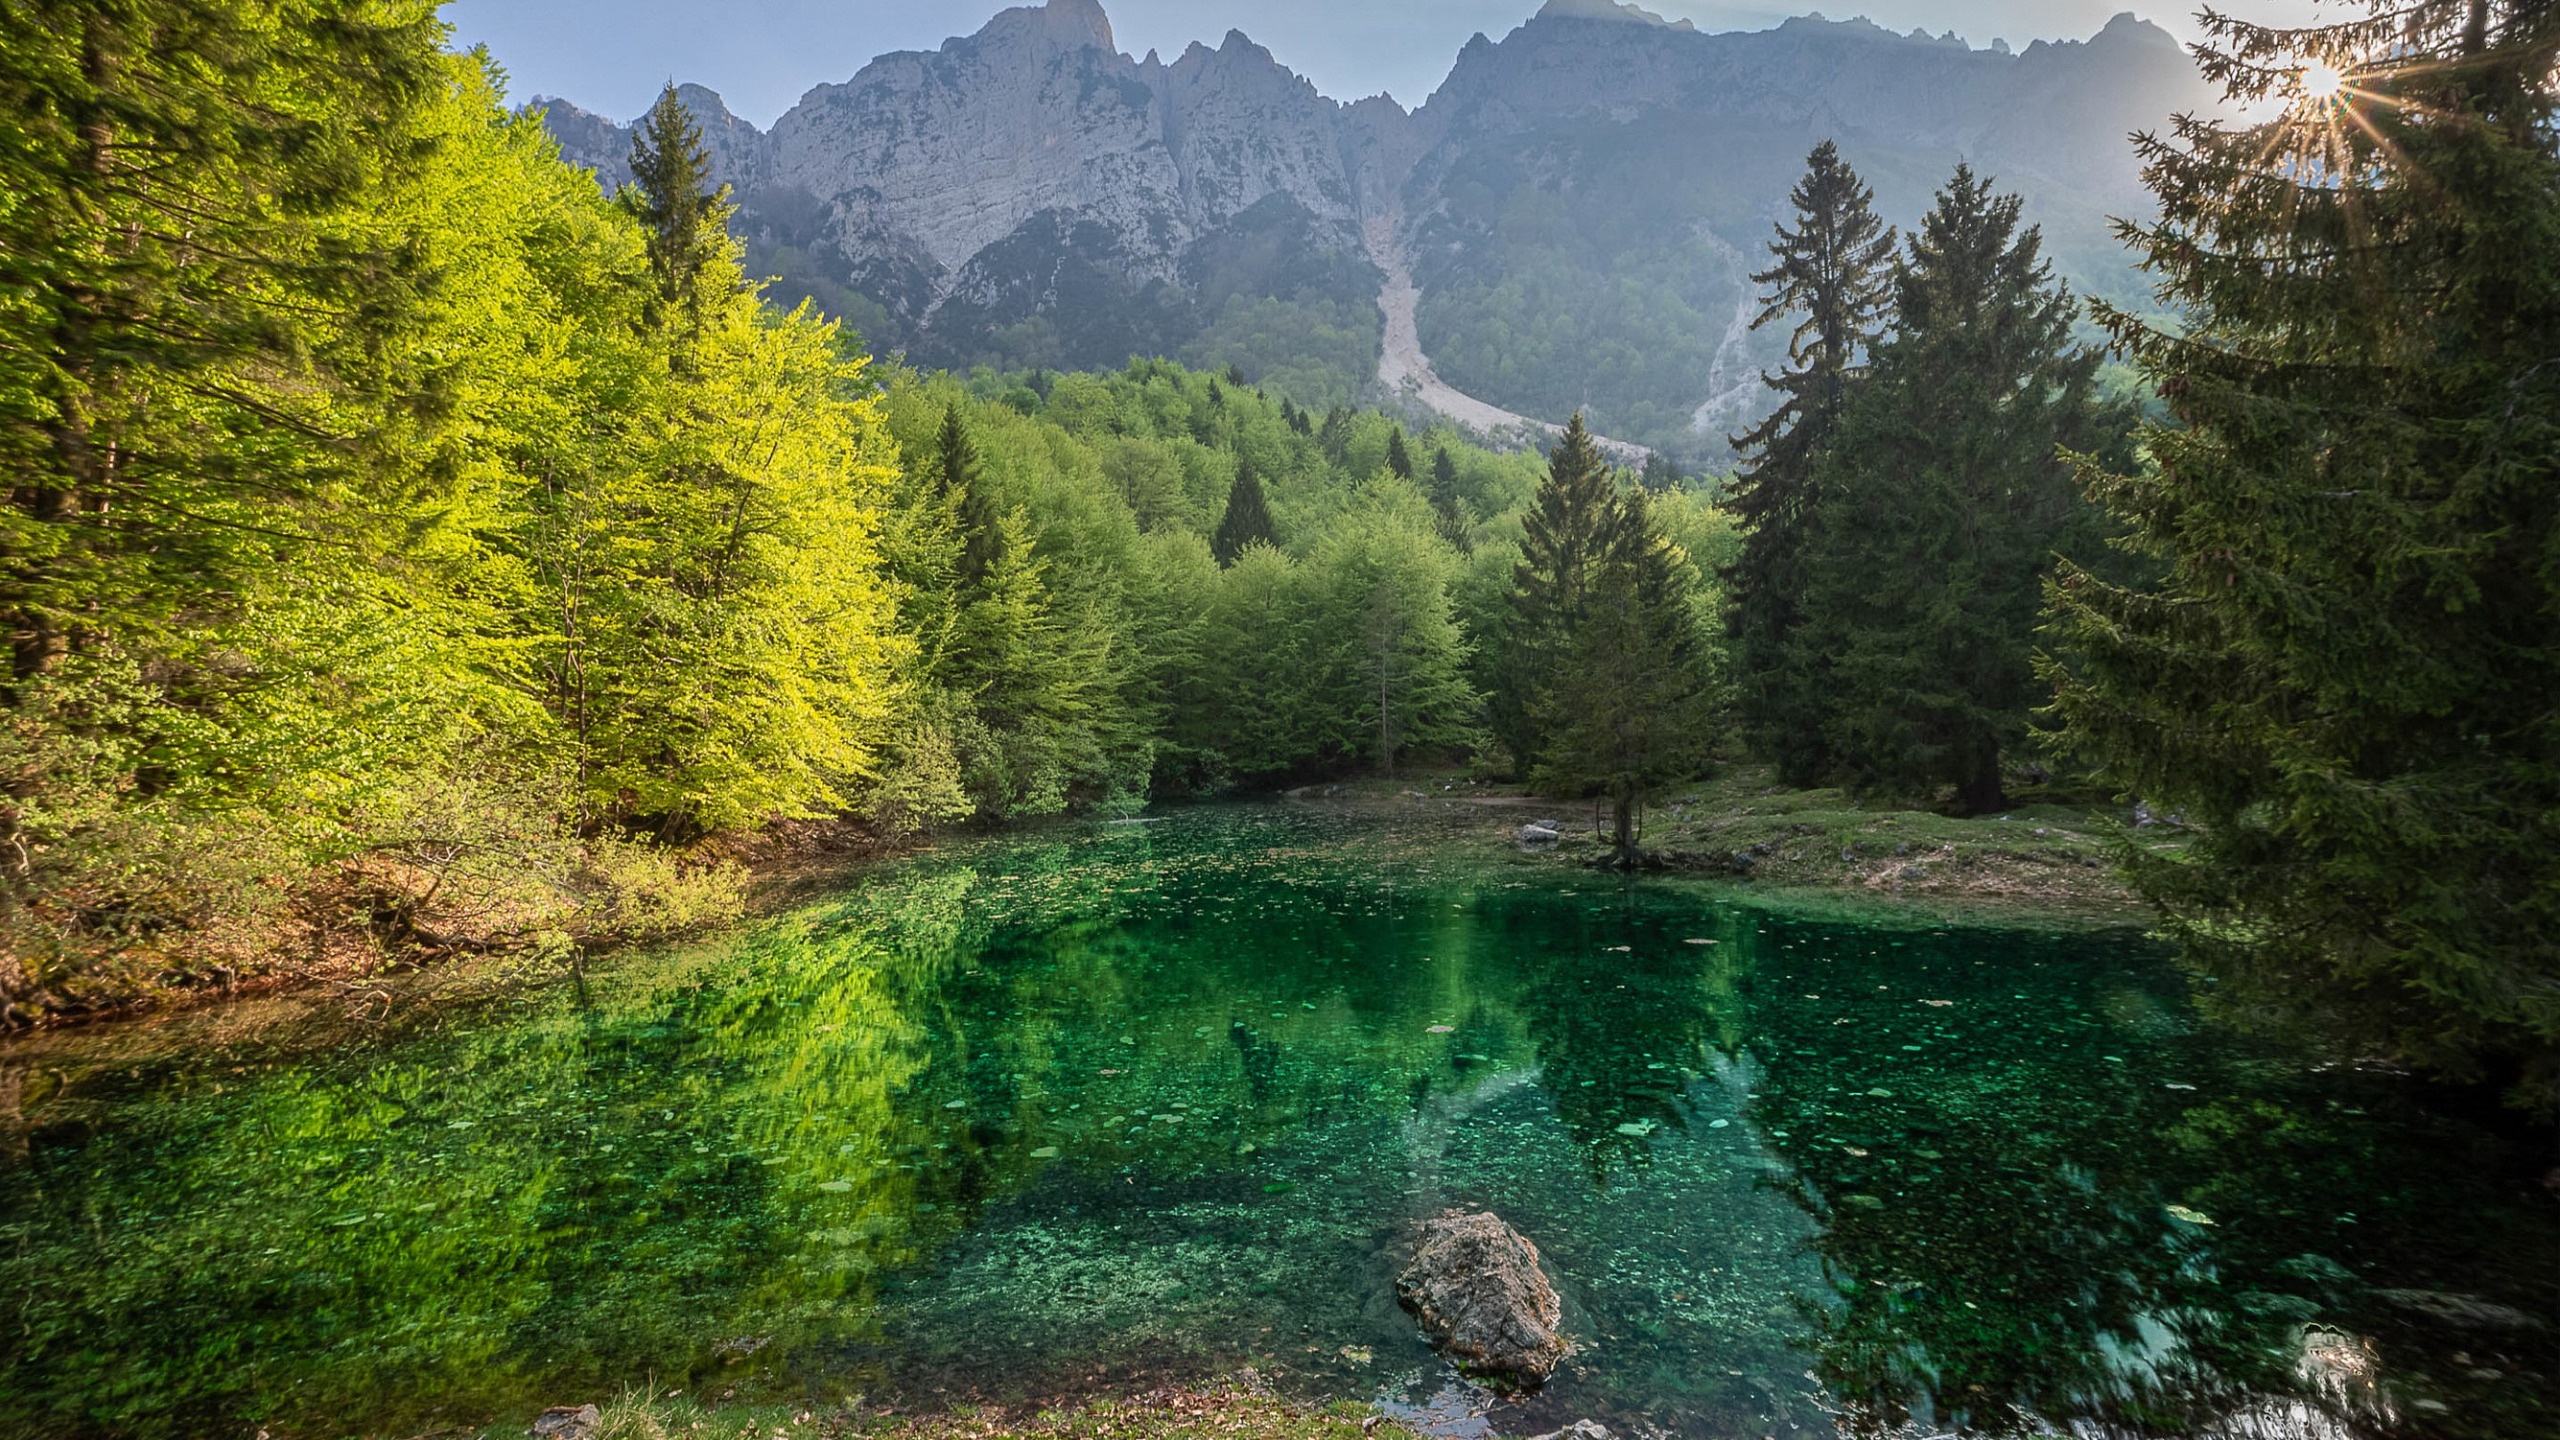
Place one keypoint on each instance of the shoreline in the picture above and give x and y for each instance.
(2043, 864)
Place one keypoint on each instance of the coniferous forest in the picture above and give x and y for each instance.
(411, 545)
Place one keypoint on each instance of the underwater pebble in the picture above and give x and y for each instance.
(1045, 1152)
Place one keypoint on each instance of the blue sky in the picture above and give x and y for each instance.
(611, 56)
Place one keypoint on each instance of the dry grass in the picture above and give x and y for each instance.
(1242, 1408)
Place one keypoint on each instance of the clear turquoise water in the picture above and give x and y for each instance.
(1037, 1114)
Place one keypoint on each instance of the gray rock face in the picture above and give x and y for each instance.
(1476, 1286)
(1030, 195)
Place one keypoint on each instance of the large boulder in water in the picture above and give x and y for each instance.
(1475, 1284)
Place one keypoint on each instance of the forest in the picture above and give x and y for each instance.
(414, 550)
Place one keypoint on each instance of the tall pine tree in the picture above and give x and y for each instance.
(1942, 498)
(1833, 273)
(205, 363)
(2344, 680)
(686, 216)
(959, 486)
(1399, 458)
(1446, 505)
(1566, 531)
(1625, 709)
(1248, 519)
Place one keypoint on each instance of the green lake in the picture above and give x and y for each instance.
(1037, 1114)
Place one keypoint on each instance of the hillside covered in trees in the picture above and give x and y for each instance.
(416, 548)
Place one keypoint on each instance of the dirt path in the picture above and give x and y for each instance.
(1405, 371)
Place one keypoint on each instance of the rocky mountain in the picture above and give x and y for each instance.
(1579, 204)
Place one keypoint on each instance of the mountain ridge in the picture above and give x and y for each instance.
(1028, 196)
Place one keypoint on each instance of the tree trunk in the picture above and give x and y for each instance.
(1623, 827)
(1979, 792)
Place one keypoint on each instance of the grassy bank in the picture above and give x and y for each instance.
(2046, 853)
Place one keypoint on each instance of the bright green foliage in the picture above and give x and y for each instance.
(1833, 271)
(1387, 654)
(1627, 707)
(715, 643)
(367, 536)
(1564, 536)
(1942, 499)
(2344, 680)
(1248, 519)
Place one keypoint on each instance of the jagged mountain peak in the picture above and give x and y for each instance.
(1607, 10)
(1079, 22)
(1576, 204)
(709, 109)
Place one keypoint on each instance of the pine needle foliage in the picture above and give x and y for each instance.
(1943, 498)
(1565, 535)
(1626, 710)
(1834, 273)
(672, 194)
(203, 336)
(1446, 504)
(1247, 521)
(959, 486)
(2344, 682)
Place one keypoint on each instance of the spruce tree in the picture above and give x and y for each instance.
(1335, 435)
(2343, 681)
(194, 285)
(1446, 505)
(1833, 273)
(961, 487)
(1248, 519)
(1624, 710)
(1943, 495)
(1399, 459)
(673, 197)
(1565, 532)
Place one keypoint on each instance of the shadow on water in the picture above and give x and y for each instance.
(1036, 1115)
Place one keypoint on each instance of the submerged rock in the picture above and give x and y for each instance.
(1580, 1430)
(1475, 1284)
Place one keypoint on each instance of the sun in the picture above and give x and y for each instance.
(2321, 82)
